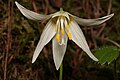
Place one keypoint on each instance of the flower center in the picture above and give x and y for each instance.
(62, 28)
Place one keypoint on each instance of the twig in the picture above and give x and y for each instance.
(115, 43)
(9, 36)
(107, 39)
(34, 6)
(109, 7)
(93, 39)
(108, 12)
(6, 56)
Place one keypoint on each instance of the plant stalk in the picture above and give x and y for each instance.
(61, 71)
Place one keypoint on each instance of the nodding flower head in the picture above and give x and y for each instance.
(61, 27)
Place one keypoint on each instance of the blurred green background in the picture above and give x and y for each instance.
(19, 37)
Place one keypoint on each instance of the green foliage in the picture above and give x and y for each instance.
(107, 54)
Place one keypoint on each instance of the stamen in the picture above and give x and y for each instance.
(57, 24)
(58, 37)
(67, 26)
(67, 23)
(56, 28)
(62, 25)
(69, 35)
(62, 31)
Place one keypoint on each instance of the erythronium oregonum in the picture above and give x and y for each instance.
(61, 27)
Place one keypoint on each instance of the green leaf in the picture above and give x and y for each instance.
(107, 54)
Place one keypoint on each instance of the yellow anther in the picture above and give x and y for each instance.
(58, 37)
(69, 36)
(62, 31)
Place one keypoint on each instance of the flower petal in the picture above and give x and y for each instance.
(46, 36)
(91, 22)
(79, 39)
(30, 14)
(58, 51)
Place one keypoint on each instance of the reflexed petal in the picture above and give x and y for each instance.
(91, 22)
(58, 51)
(79, 39)
(30, 14)
(46, 36)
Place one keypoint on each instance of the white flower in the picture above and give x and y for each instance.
(61, 27)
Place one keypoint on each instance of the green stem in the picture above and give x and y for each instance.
(115, 71)
(61, 71)
(61, 9)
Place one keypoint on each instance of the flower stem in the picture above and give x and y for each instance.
(61, 71)
(61, 9)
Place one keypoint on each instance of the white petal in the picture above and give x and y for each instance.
(79, 39)
(91, 22)
(46, 36)
(58, 51)
(30, 14)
